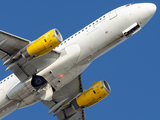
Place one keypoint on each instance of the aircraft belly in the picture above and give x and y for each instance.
(10, 107)
(97, 39)
(78, 69)
(73, 52)
(58, 74)
(3, 100)
(72, 73)
(30, 100)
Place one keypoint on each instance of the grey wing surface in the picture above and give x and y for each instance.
(10, 44)
(60, 104)
(65, 115)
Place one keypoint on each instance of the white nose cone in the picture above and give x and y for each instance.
(152, 8)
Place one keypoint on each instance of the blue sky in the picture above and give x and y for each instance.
(132, 68)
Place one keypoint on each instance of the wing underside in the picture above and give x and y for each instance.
(69, 114)
(60, 104)
(10, 44)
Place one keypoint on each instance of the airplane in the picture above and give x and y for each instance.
(49, 69)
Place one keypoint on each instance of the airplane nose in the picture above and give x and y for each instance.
(152, 8)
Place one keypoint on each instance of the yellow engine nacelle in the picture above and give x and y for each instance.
(43, 44)
(91, 96)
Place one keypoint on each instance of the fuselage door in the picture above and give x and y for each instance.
(112, 14)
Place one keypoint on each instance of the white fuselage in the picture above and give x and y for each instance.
(77, 52)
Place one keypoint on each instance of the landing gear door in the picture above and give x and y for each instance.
(112, 14)
(131, 30)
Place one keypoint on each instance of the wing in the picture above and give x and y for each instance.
(10, 44)
(10, 47)
(25, 69)
(60, 104)
(65, 115)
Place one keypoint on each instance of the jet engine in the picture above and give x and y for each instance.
(91, 96)
(43, 44)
